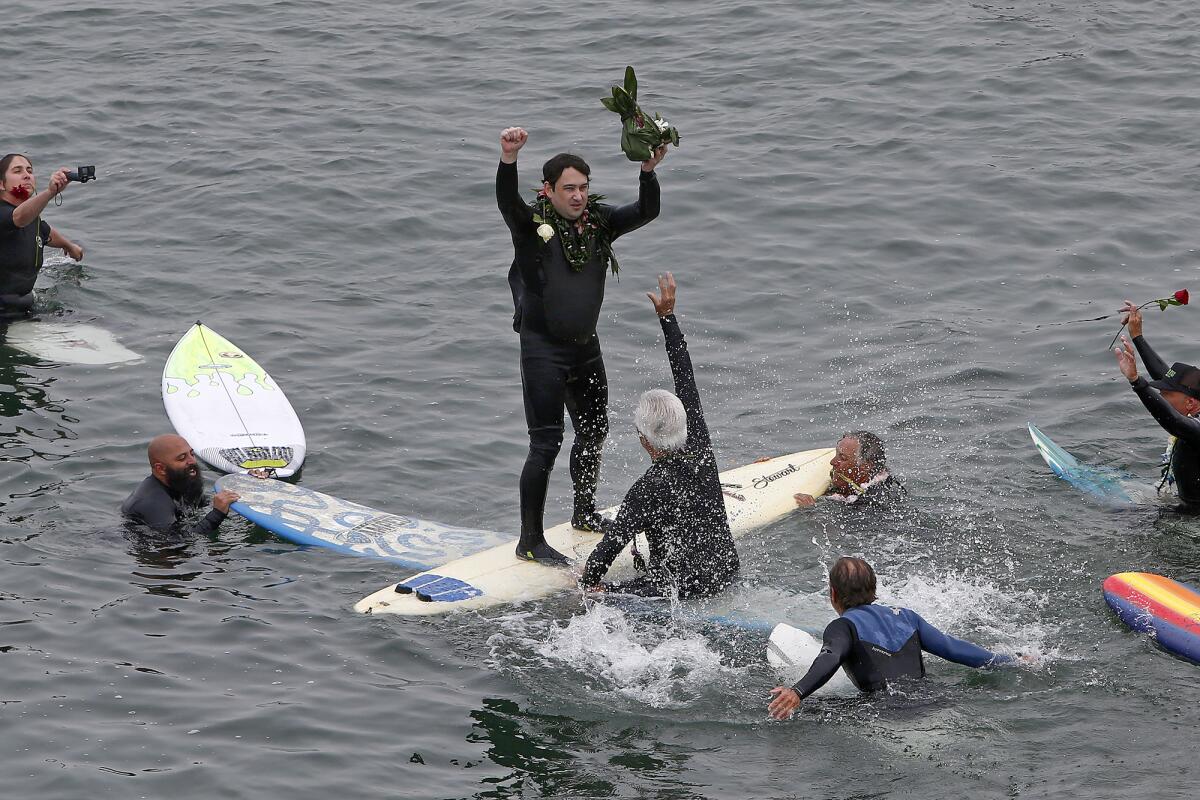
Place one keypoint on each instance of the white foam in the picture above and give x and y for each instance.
(655, 665)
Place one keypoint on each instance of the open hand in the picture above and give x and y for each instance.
(664, 301)
(1126, 360)
(785, 702)
(805, 500)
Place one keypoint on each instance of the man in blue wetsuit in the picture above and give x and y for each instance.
(1174, 406)
(873, 643)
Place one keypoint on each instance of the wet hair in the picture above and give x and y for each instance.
(870, 448)
(6, 162)
(552, 170)
(853, 580)
(661, 418)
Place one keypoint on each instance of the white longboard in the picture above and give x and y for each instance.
(68, 343)
(791, 652)
(755, 495)
(228, 408)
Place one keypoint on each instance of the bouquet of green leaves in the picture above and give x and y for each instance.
(640, 134)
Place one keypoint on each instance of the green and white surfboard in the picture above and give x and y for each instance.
(229, 409)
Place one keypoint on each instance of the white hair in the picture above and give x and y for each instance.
(661, 419)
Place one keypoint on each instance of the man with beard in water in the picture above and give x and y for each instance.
(874, 643)
(563, 250)
(23, 232)
(678, 503)
(858, 473)
(173, 488)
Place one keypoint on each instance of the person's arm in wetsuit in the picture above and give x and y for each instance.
(152, 506)
(1174, 423)
(632, 518)
(626, 218)
(956, 650)
(1133, 318)
(836, 642)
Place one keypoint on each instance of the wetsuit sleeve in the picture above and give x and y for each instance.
(6, 218)
(835, 647)
(1154, 364)
(623, 219)
(45, 229)
(631, 519)
(517, 215)
(956, 650)
(209, 523)
(685, 384)
(1171, 420)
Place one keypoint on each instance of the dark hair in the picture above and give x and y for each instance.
(870, 448)
(853, 580)
(552, 170)
(6, 162)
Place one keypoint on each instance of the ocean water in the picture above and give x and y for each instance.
(877, 215)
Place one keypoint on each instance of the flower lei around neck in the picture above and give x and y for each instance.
(579, 236)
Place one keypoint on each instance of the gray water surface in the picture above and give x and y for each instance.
(876, 211)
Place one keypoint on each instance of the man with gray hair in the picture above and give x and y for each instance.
(677, 504)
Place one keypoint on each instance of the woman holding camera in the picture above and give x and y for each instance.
(23, 233)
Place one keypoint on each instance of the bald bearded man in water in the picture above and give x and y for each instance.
(173, 489)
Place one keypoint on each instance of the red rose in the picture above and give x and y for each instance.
(1182, 297)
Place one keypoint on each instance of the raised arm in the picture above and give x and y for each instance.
(623, 219)
(1133, 318)
(956, 650)
(32, 208)
(515, 211)
(681, 363)
(1172, 421)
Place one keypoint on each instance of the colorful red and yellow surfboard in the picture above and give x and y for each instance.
(1167, 610)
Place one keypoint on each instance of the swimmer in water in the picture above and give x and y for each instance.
(1173, 399)
(873, 643)
(174, 488)
(24, 234)
(858, 473)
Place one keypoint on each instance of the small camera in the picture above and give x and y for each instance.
(82, 174)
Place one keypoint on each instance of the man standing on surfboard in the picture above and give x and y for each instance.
(23, 232)
(173, 488)
(1174, 406)
(563, 251)
(678, 503)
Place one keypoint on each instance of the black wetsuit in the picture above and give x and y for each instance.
(678, 505)
(876, 643)
(154, 504)
(20, 260)
(880, 490)
(1185, 455)
(561, 364)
